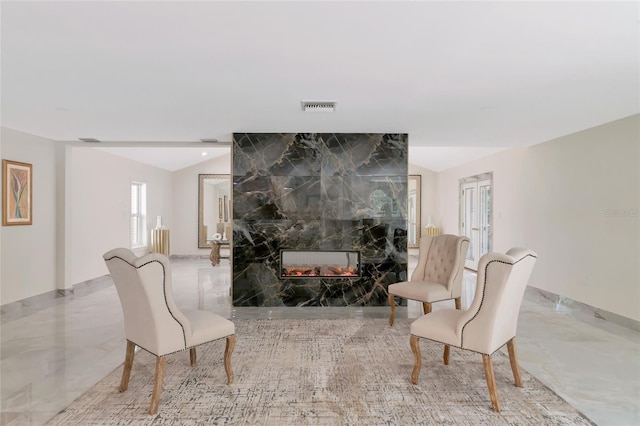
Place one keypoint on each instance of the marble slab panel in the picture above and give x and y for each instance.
(311, 191)
(371, 154)
(268, 154)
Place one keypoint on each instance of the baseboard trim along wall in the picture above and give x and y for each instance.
(579, 310)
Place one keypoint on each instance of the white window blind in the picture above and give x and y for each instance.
(138, 214)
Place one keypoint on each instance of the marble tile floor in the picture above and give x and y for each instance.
(51, 353)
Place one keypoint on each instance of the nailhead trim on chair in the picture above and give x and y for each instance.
(464, 349)
(164, 294)
(481, 302)
(483, 288)
(181, 350)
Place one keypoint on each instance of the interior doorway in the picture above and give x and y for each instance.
(476, 197)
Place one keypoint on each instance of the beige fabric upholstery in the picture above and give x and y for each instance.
(438, 274)
(152, 320)
(491, 320)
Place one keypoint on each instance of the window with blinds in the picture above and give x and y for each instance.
(138, 214)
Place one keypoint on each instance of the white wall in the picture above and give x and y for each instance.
(81, 209)
(185, 206)
(100, 200)
(574, 200)
(28, 255)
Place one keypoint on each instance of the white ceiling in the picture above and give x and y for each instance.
(463, 79)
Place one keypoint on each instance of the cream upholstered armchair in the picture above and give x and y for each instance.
(491, 320)
(438, 275)
(153, 322)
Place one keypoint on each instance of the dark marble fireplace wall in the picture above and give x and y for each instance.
(318, 191)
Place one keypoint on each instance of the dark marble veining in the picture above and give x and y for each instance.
(313, 191)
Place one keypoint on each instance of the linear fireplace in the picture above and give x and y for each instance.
(312, 193)
(319, 264)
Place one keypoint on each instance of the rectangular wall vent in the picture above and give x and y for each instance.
(319, 106)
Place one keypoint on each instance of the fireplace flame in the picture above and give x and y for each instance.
(319, 271)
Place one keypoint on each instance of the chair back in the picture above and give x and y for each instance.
(151, 318)
(441, 260)
(492, 318)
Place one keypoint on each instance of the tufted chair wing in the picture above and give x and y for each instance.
(491, 320)
(438, 274)
(151, 318)
(425, 244)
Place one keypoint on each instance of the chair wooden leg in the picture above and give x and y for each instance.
(426, 308)
(128, 364)
(447, 349)
(392, 303)
(491, 382)
(192, 356)
(414, 341)
(513, 359)
(161, 365)
(231, 342)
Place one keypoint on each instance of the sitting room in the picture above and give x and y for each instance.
(320, 213)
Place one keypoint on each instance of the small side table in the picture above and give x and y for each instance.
(432, 230)
(215, 251)
(160, 241)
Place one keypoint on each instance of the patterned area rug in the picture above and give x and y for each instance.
(321, 372)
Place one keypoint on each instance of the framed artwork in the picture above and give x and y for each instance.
(17, 196)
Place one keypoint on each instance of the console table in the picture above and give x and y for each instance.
(215, 251)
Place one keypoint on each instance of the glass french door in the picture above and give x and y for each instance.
(475, 216)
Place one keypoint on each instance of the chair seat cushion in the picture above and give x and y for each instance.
(439, 326)
(423, 291)
(207, 326)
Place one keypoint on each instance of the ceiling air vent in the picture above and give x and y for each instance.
(319, 106)
(89, 140)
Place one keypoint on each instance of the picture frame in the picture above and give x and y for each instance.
(17, 193)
